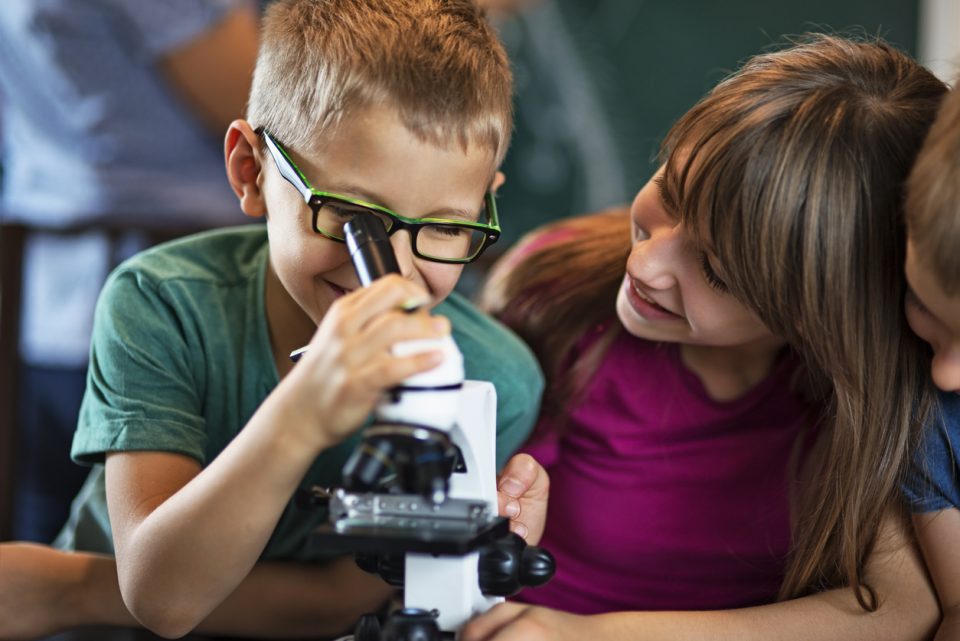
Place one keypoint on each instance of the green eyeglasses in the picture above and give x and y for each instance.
(435, 239)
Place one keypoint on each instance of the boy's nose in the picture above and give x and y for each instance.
(945, 368)
(402, 244)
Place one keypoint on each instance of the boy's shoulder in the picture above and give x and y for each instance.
(947, 416)
(933, 484)
(219, 256)
(491, 350)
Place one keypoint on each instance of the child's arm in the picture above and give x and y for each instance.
(186, 537)
(213, 71)
(44, 591)
(939, 536)
(908, 610)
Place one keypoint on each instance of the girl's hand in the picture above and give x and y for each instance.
(518, 622)
(349, 363)
(522, 489)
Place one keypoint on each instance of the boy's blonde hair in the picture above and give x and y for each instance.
(933, 198)
(437, 62)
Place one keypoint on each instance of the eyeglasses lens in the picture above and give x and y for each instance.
(433, 240)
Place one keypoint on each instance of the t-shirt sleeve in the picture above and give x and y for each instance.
(143, 392)
(160, 26)
(933, 483)
(493, 353)
(518, 404)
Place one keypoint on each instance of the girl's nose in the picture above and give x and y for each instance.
(655, 257)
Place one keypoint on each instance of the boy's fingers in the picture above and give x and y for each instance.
(388, 293)
(362, 343)
(386, 372)
(393, 327)
(400, 345)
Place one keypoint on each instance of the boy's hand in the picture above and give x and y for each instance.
(522, 490)
(349, 363)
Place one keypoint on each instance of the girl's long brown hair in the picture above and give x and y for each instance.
(555, 285)
(791, 172)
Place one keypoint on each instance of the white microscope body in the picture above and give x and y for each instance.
(450, 584)
(419, 502)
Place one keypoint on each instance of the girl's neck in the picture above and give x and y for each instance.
(727, 373)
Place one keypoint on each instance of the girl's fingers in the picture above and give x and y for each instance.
(486, 626)
(523, 491)
(519, 475)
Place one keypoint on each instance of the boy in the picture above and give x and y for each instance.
(357, 106)
(933, 311)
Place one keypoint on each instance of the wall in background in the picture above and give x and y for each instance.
(600, 82)
(939, 39)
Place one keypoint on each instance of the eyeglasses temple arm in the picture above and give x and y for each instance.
(492, 206)
(287, 169)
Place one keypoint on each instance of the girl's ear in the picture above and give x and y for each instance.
(498, 180)
(241, 151)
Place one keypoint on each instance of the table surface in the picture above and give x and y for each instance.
(123, 634)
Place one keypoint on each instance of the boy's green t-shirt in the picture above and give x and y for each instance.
(181, 359)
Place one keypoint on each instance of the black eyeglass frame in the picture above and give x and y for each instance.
(316, 199)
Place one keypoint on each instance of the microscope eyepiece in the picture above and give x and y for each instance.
(370, 249)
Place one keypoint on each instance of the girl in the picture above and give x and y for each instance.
(735, 437)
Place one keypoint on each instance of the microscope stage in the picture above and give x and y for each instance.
(393, 534)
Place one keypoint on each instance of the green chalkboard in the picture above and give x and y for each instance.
(599, 84)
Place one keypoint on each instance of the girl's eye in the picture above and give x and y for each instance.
(711, 276)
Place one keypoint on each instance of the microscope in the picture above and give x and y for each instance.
(418, 503)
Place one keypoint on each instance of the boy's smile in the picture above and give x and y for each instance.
(935, 317)
(371, 157)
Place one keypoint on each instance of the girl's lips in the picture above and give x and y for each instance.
(644, 305)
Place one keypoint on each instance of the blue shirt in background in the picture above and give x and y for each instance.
(92, 130)
(93, 134)
(934, 483)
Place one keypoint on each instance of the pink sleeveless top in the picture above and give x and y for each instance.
(664, 499)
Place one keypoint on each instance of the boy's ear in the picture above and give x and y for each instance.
(241, 152)
(498, 180)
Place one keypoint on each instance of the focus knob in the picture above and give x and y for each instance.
(509, 564)
(537, 566)
(367, 628)
(412, 624)
(389, 567)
